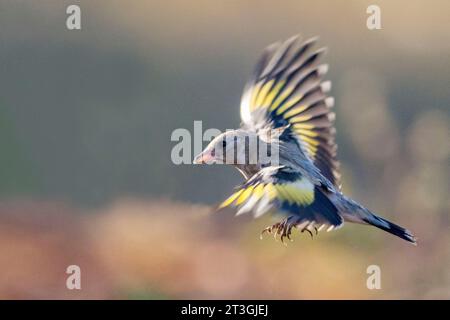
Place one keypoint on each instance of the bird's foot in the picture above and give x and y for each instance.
(284, 229)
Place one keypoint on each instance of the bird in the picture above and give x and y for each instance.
(286, 110)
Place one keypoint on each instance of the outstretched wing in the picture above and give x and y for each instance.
(287, 88)
(280, 189)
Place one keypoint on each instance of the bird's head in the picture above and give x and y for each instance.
(232, 147)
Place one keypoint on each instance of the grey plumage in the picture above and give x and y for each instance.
(286, 108)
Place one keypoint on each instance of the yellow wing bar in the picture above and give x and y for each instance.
(288, 87)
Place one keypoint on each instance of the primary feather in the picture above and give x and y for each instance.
(287, 89)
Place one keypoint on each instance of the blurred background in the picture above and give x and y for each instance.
(86, 176)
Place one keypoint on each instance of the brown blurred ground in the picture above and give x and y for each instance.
(155, 250)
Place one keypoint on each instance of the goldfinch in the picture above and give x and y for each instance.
(286, 111)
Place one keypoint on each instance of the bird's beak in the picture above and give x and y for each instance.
(204, 157)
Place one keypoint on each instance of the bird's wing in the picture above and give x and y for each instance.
(283, 190)
(287, 90)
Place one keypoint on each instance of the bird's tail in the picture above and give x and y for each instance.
(354, 212)
(390, 227)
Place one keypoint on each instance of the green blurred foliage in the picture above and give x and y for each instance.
(16, 176)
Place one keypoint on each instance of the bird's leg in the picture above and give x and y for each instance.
(286, 229)
(282, 228)
(289, 231)
(278, 227)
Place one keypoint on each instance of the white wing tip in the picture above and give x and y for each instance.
(322, 69)
(329, 102)
(311, 40)
(325, 86)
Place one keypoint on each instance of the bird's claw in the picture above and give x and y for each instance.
(309, 231)
(284, 230)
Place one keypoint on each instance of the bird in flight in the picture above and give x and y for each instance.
(286, 148)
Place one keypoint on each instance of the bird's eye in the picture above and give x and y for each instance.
(224, 143)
